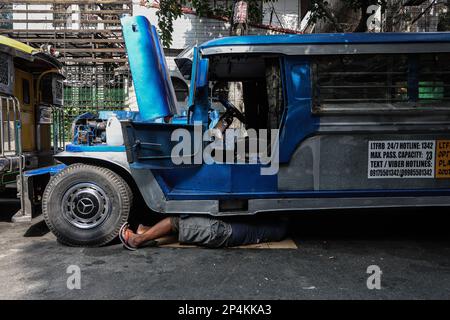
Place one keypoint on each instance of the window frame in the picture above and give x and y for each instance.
(408, 106)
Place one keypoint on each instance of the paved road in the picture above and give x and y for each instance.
(412, 248)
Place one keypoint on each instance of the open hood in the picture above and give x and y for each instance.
(154, 90)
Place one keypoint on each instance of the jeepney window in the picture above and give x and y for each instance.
(381, 82)
(25, 91)
(253, 84)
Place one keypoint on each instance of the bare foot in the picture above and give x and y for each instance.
(131, 238)
(142, 229)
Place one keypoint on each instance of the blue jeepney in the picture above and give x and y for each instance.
(341, 120)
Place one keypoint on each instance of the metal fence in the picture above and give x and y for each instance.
(93, 88)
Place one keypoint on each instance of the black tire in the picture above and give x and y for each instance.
(85, 205)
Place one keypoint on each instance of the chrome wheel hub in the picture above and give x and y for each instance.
(85, 205)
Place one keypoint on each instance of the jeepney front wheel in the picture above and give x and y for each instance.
(85, 205)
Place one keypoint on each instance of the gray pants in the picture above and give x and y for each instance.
(203, 231)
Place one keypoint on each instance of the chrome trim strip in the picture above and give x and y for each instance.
(265, 205)
(329, 49)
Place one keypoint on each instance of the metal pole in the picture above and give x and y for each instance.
(19, 150)
(58, 113)
(1, 129)
(7, 121)
(61, 127)
(55, 130)
(63, 130)
(17, 132)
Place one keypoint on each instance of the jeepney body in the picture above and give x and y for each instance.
(357, 121)
(30, 101)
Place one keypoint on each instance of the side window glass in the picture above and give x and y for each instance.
(379, 82)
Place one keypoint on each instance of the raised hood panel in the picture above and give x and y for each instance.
(154, 91)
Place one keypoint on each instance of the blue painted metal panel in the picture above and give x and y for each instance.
(52, 170)
(202, 179)
(248, 178)
(215, 179)
(94, 148)
(198, 90)
(153, 90)
(164, 70)
(179, 119)
(330, 38)
(202, 73)
(299, 122)
(120, 114)
(193, 86)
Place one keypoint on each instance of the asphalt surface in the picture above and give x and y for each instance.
(411, 247)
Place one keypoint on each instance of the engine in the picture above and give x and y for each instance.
(88, 129)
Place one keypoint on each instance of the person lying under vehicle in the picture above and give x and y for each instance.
(206, 231)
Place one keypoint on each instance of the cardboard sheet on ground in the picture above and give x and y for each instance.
(172, 242)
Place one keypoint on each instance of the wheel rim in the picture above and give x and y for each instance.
(85, 205)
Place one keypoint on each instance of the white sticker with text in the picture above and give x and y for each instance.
(401, 159)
